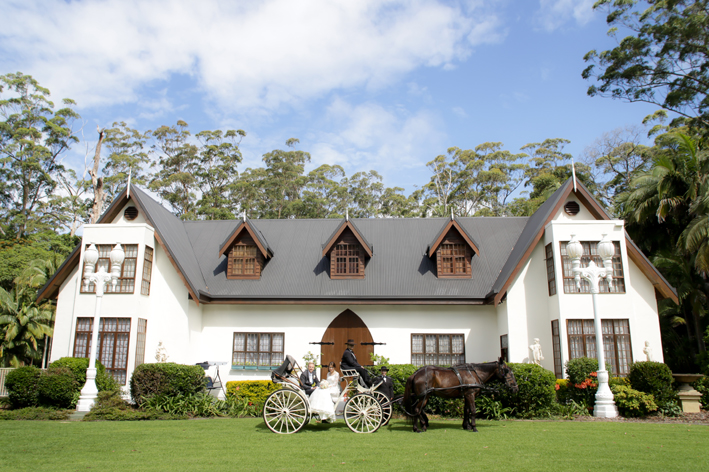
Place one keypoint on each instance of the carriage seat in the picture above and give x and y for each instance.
(350, 373)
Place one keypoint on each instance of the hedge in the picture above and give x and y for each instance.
(58, 388)
(253, 391)
(656, 379)
(166, 378)
(21, 385)
(632, 403)
(79, 365)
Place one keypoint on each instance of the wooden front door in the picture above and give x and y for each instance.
(346, 326)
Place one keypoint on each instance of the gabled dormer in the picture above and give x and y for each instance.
(247, 251)
(453, 250)
(347, 249)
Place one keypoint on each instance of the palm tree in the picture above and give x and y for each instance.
(25, 325)
(664, 212)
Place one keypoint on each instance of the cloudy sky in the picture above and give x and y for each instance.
(367, 84)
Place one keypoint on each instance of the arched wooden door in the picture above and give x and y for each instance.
(347, 325)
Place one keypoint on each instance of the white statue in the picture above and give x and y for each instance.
(161, 353)
(536, 357)
(648, 351)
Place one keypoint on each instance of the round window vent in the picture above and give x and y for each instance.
(131, 213)
(571, 208)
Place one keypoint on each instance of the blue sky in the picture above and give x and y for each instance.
(383, 85)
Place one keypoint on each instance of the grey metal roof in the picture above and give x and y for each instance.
(400, 268)
(171, 231)
(534, 225)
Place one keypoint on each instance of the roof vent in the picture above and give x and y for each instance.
(571, 208)
(131, 213)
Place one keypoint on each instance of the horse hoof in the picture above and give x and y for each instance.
(475, 430)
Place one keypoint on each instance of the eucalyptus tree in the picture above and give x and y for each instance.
(663, 60)
(33, 136)
(474, 181)
(128, 155)
(284, 181)
(175, 181)
(216, 172)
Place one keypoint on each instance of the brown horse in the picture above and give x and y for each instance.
(465, 380)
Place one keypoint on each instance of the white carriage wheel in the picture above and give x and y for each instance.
(386, 410)
(285, 412)
(363, 413)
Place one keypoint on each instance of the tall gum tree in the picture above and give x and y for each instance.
(32, 138)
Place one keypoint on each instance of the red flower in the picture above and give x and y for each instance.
(594, 374)
(250, 403)
(556, 386)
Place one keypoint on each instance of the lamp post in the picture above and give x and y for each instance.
(605, 406)
(99, 278)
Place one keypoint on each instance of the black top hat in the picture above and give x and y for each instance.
(384, 369)
(350, 342)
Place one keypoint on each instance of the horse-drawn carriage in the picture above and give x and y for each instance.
(287, 410)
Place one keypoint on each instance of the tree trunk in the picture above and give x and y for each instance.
(97, 182)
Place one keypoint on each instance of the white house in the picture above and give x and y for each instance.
(422, 291)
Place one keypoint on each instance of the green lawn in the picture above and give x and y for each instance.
(245, 444)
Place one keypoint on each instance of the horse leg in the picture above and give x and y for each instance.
(422, 417)
(466, 413)
(471, 395)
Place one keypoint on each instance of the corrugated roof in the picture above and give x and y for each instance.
(400, 268)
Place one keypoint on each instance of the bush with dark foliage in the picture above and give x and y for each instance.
(166, 379)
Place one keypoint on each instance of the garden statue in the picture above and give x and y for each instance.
(648, 351)
(161, 353)
(536, 357)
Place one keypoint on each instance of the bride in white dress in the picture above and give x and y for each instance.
(333, 378)
(321, 402)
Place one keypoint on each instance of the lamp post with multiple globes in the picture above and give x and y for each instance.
(605, 406)
(99, 278)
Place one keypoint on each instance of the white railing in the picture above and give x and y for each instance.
(3, 374)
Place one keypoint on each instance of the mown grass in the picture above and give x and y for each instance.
(246, 444)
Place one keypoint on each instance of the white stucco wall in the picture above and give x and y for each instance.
(302, 324)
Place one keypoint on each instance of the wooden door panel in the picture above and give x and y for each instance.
(347, 325)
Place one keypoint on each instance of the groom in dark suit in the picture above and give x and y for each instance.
(349, 362)
(309, 379)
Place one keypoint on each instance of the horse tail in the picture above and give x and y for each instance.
(409, 397)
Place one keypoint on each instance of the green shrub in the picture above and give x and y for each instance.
(166, 379)
(58, 388)
(78, 366)
(536, 395)
(579, 369)
(109, 406)
(201, 405)
(22, 386)
(35, 413)
(253, 391)
(702, 386)
(632, 403)
(656, 379)
(399, 374)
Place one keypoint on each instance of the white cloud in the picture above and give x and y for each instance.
(460, 112)
(553, 14)
(367, 136)
(246, 55)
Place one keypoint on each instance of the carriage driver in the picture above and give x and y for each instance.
(349, 362)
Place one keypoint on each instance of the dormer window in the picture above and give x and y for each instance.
(243, 260)
(246, 250)
(347, 250)
(453, 249)
(454, 260)
(346, 260)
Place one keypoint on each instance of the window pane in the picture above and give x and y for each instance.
(444, 345)
(239, 342)
(265, 343)
(458, 344)
(417, 343)
(430, 343)
(277, 343)
(252, 342)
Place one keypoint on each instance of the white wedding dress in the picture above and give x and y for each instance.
(321, 404)
(334, 381)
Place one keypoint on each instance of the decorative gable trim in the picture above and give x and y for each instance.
(555, 203)
(51, 288)
(433, 247)
(249, 227)
(338, 232)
